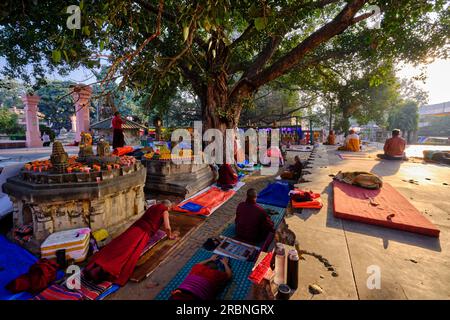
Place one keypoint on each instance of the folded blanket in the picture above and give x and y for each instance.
(91, 291)
(58, 292)
(191, 206)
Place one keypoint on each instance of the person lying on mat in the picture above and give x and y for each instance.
(253, 224)
(294, 171)
(394, 148)
(205, 280)
(116, 261)
(351, 142)
(228, 178)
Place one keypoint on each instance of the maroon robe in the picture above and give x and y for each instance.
(253, 224)
(120, 256)
(227, 176)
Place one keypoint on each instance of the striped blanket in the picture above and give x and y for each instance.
(58, 292)
(91, 291)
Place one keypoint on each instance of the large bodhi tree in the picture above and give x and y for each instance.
(222, 50)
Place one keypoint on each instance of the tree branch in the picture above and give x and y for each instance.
(341, 22)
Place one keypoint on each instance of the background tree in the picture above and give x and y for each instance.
(10, 91)
(224, 51)
(56, 104)
(8, 122)
(405, 117)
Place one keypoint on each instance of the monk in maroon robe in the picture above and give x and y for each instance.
(116, 261)
(253, 224)
(227, 177)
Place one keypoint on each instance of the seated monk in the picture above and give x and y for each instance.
(228, 178)
(294, 171)
(205, 280)
(116, 261)
(331, 139)
(351, 142)
(394, 148)
(253, 224)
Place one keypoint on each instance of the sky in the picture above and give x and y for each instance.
(437, 82)
(438, 79)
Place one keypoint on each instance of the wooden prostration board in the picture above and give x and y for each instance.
(186, 225)
(384, 207)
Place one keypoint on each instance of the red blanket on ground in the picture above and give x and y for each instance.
(209, 200)
(120, 256)
(385, 207)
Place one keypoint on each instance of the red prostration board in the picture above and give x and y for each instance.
(393, 209)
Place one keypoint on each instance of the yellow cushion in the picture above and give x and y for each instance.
(100, 235)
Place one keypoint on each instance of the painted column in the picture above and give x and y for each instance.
(33, 135)
(81, 96)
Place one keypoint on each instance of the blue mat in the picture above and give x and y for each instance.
(237, 289)
(275, 194)
(14, 261)
(230, 231)
(191, 206)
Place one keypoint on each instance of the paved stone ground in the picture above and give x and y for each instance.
(212, 227)
(412, 266)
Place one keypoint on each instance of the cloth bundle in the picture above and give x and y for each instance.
(39, 276)
(360, 178)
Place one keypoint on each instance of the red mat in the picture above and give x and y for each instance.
(385, 207)
(210, 200)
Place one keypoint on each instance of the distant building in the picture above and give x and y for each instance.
(131, 130)
(21, 116)
(434, 121)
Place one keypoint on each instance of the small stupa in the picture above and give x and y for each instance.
(85, 147)
(59, 158)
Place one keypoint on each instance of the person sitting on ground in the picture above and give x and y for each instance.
(205, 280)
(253, 224)
(394, 148)
(116, 261)
(228, 178)
(294, 171)
(351, 143)
(331, 139)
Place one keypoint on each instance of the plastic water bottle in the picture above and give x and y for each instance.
(280, 264)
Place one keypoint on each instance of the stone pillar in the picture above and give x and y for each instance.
(81, 96)
(33, 135)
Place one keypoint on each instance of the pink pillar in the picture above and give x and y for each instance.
(33, 134)
(81, 97)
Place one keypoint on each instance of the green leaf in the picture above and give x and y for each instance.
(260, 23)
(81, 4)
(185, 32)
(56, 56)
(85, 30)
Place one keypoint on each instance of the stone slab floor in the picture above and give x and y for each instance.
(411, 266)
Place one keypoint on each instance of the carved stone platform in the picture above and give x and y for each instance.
(179, 179)
(108, 199)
